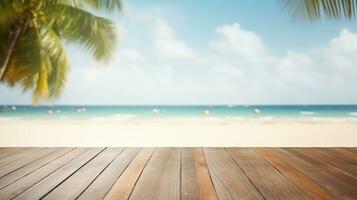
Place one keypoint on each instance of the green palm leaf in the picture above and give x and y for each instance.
(96, 35)
(38, 61)
(317, 9)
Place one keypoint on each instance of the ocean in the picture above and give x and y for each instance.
(251, 112)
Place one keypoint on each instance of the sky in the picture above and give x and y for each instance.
(214, 52)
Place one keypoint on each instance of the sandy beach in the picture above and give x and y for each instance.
(175, 132)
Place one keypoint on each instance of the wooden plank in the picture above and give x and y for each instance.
(311, 158)
(160, 179)
(324, 178)
(309, 186)
(343, 165)
(229, 180)
(73, 186)
(342, 154)
(351, 149)
(189, 184)
(205, 185)
(6, 169)
(48, 183)
(11, 151)
(270, 183)
(99, 188)
(18, 155)
(125, 184)
(19, 173)
(26, 182)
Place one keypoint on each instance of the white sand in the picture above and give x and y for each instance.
(175, 132)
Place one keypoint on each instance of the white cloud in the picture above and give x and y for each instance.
(155, 66)
(167, 44)
(237, 41)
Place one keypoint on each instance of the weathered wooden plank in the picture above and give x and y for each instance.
(350, 149)
(29, 180)
(123, 187)
(204, 181)
(270, 183)
(229, 180)
(160, 179)
(189, 184)
(18, 155)
(11, 151)
(99, 188)
(19, 173)
(309, 186)
(343, 165)
(74, 185)
(6, 169)
(187, 173)
(342, 154)
(339, 188)
(311, 157)
(49, 183)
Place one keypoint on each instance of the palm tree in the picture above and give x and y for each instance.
(32, 33)
(317, 9)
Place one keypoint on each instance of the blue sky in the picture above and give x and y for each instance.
(215, 52)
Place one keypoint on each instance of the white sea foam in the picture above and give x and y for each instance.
(327, 119)
(307, 113)
(9, 118)
(353, 113)
(99, 118)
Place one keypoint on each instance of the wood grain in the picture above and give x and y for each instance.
(229, 180)
(45, 179)
(311, 157)
(320, 175)
(270, 183)
(313, 189)
(340, 164)
(7, 152)
(205, 184)
(4, 170)
(126, 182)
(160, 179)
(73, 186)
(29, 180)
(342, 153)
(19, 173)
(16, 156)
(104, 182)
(189, 183)
(178, 173)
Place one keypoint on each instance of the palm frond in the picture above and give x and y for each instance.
(24, 64)
(59, 64)
(317, 9)
(10, 13)
(96, 35)
(38, 62)
(107, 5)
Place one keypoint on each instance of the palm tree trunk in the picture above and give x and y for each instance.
(9, 47)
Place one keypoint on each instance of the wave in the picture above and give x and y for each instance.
(353, 113)
(307, 113)
(9, 118)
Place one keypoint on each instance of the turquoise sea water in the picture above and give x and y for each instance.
(219, 111)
